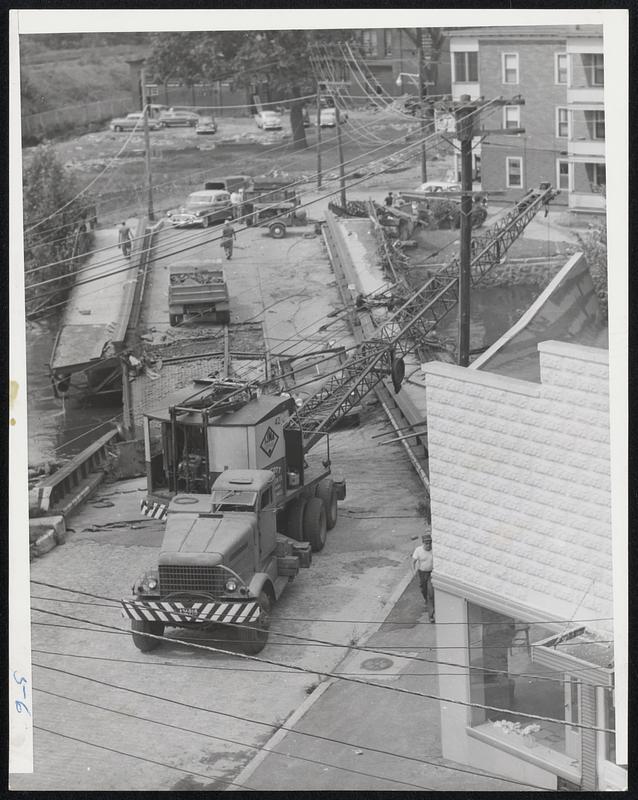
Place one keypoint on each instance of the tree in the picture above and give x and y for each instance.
(594, 247)
(54, 231)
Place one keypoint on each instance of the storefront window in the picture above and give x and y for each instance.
(505, 676)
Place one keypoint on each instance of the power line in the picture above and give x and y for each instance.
(262, 749)
(239, 718)
(305, 670)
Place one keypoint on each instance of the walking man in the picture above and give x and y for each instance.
(125, 239)
(228, 236)
(422, 564)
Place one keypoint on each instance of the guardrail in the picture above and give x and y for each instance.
(63, 491)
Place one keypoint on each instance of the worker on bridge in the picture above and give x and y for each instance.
(228, 236)
(125, 239)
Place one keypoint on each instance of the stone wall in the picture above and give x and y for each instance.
(520, 482)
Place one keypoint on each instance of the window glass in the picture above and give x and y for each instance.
(369, 42)
(563, 175)
(466, 67)
(561, 67)
(511, 116)
(562, 122)
(505, 676)
(597, 176)
(510, 67)
(387, 41)
(514, 172)
(594, 66)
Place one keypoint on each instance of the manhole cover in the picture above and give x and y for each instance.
(377, 664)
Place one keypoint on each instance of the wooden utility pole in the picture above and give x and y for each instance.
(422, 94)
(464, 132)
(342, 175)
(147, 146)
(318, 138)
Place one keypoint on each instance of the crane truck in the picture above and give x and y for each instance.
(230, 469)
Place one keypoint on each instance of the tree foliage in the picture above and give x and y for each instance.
(594, 247)
(50, 202)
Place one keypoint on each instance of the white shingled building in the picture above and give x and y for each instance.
(520, 492)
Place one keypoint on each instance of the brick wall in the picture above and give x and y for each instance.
(538, 146)
(520, 482)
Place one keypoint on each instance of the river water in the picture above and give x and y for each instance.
(58, 428)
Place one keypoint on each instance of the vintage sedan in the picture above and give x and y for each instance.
(174, 118)
(133, 121)
(269, 120)
(202, 208)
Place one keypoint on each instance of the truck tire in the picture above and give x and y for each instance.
(254, 637)
(144, 643)
(326, 491)
(314, 524)
(295, 519)
(277, 230)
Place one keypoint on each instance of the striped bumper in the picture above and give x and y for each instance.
(154, 510)
(177, 613)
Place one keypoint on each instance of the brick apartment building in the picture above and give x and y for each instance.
(559, 72)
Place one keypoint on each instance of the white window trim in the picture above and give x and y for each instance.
(556, 81)
(570, 175)
(568, 135)
(507, 172)
(518, 116)
(503, 76)
(455, 79)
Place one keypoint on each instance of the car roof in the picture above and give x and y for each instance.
(207, 192)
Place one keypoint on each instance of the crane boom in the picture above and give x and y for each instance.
(373, 360)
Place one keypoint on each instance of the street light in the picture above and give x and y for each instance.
(401, 75)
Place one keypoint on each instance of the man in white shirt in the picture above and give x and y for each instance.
(422, 564)
(235, 202)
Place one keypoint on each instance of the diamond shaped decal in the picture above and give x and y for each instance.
(269, 442)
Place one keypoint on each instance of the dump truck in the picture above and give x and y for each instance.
(197, 292)
(245, 506)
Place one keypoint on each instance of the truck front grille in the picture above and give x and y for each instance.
(182, 578)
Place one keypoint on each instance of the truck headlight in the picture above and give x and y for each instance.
(151, 583)
(231, 585)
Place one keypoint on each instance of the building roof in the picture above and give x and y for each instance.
(527, 31)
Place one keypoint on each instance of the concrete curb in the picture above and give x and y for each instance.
(307, 704)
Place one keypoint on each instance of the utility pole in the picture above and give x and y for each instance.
(464, 132)
(318, 137)
(342, 176)
(147, 145)
(422, 94)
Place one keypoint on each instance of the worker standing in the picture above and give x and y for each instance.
(389, 200)
(125, 239)
(228, 236)
(423, 564)
(235, 202)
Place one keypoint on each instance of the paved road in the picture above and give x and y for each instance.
(183, 718)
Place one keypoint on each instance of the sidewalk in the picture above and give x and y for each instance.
(369, 737)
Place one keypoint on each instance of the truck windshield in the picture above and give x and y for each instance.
(233, 500)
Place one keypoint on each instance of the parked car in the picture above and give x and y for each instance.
(134, 120)
(175, 118)
(438, 186)
(328, 117)
(202, 208)
(269, 120)
(206, 125)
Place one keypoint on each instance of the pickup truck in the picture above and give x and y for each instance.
(267, 199)
(197, 292)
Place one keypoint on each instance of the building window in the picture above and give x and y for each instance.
(387, 42)
(369, 43)
(466, 67)
(562, 122)
(610, 722)
(514, 170)
(597, 176)
(594, 66)
(599, 124)
(563, 175)
(510, 67)
(501, 660)
(511, 116)
(561, 67)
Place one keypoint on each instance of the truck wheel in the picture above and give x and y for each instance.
(295, 519)
(314, 523)
(277, 230)
(326, 491)
(145, 643)
(254, 637)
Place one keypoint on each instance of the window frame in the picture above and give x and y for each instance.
(569, 186)
(518, 116)
(557, 69)
(465, 54)
(597, 114)
(508, 161)
(387, 41)
(557, 132)
(504, 57)
(594, 67)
